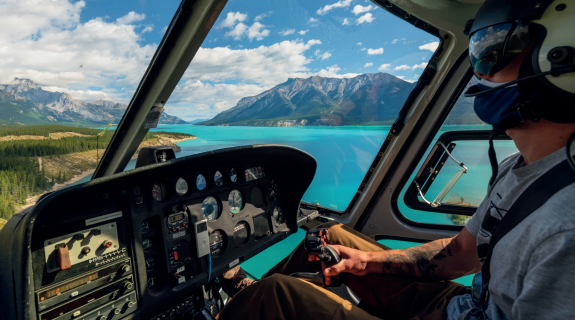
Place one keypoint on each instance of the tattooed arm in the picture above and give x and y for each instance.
(440, 259)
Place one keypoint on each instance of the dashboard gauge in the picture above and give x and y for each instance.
(148, 244)
(241, 233)
(146, 226)
(233, 175)
(151, 263)
(278, 216)
(211, 209)
(218, 243)
(158, 192)
(235, 201)
(201, 182)
(218, 179)
(182, 186)
(273, 191)
(153, 282)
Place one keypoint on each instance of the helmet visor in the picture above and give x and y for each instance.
(493, 48)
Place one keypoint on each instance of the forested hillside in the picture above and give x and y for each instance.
(21, 147)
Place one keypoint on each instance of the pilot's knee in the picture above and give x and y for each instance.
(335, 231)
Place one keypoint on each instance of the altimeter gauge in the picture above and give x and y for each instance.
(201, 182)
(182, 187)
(235, 201)
(233, 175)
(211, 209)
(218, 179)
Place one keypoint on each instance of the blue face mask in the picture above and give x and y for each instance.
(495, 106)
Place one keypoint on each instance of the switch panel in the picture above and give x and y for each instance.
(96, 241)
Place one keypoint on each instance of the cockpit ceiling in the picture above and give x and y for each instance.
(448, 15)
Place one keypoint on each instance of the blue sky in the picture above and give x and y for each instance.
(100, 49)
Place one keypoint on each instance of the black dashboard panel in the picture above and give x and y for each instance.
(130, 245)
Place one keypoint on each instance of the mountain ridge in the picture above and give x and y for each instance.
(366, 99)
(23, 100)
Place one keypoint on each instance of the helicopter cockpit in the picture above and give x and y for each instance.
(146, 243)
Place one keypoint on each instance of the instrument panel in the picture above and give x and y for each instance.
(161, 224)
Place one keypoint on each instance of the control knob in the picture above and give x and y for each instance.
(126, 268)
(127, 286)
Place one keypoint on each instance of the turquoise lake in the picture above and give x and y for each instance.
(344, 155)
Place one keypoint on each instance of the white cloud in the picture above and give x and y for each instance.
(322, 56)
(400, 77)
(432, 46)
(148, 29)
(369, 64)
(303, 32)
(403, 39)
(131, 17)
(339, 4)
(345, 22)
(263, 15)
(208, 99)
(264, 65)
(232, 18)
(312, 20)
(47, 42)
(238, 31)
(164, 29)
(375, 51)
(394, 41)
(365, 18)
(287, 32)
(358, 9)
(406, 67)
(384, 67)
(241, 30)
(359, 43)
(254, 32)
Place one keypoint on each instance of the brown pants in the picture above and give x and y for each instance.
(278, 296)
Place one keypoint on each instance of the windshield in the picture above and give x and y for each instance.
(328, 77)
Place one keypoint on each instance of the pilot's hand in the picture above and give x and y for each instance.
(352, 261)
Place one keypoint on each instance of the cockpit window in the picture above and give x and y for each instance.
(328, 77)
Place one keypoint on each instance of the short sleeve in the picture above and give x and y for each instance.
(547, 291)
(474, 224)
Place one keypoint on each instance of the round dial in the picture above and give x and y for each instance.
(241, 233)
(278, 215)
(201, 183)
(236, 201)
(233, 175)
(147, 244)
(158, 192)
(211, 209)
(150, 262)
(218, 179)
(181, 186)
(273, 191)
(146, 226)
(218, 243)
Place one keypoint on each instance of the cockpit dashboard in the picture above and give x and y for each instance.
(141, 244)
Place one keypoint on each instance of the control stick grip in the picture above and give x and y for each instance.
(331, 258)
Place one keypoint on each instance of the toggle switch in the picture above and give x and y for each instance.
(106, 244)
(96, 232)
(86, 250)
(63, 257)
(78, 237)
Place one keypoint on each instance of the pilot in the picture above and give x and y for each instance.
(514, 46)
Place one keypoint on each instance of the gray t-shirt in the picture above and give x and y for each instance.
(532, 266)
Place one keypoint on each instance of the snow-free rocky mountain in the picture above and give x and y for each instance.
(367, 99)
(25, 102)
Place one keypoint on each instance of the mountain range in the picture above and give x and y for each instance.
(367, 99)
(24, 102)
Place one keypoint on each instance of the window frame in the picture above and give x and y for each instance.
(410, 197)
